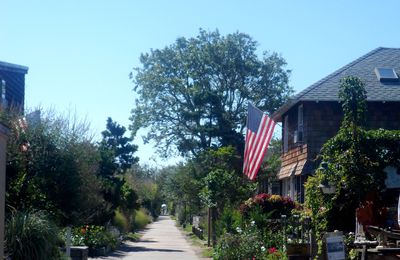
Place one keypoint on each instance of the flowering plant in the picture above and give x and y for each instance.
(273, 205)
(274, 254)
(93, 237)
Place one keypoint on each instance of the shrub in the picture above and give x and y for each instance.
(272, 205)
(227, 221)
(248, 244)
(237, 246)
(121, 221)
(142, 218)
(31, 235)
(134, 237)
(93, 237)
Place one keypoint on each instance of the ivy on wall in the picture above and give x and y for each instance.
(355, 159)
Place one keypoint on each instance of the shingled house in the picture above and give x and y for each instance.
(12, 85)
(314, 115)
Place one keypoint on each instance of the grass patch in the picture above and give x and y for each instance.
(208, 252)
(197, 242)
(133, 237)
(188, 228)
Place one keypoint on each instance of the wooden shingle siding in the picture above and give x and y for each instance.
(383, 115)
(322, 121)
(15, 88)
(295, 154)
(323, 115)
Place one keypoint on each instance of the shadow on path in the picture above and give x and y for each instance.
(125, 249)
(161, 240)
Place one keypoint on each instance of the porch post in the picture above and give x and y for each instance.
(3, 146)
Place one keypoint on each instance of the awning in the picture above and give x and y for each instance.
(292, 169)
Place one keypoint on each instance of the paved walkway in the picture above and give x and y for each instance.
(161, 240)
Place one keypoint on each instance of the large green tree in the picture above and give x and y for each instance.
(116, 150)
(193, 94)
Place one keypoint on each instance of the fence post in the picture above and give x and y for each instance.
(209, 228)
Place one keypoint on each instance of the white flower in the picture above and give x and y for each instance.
(263, 248)
(252, 223)
(239, 230)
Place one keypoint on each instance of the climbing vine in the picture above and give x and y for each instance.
(354, 160)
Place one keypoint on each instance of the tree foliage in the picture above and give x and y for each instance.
(223, 184)
(213, 179)
(353, 98)
(272, 163)
(193, 94)
(144, 180)
(116, 150)
(51, 165)
(116, 157)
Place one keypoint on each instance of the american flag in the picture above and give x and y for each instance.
(259, 133)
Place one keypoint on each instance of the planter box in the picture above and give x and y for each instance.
(198, 232)
(298, 250)
(79, 252)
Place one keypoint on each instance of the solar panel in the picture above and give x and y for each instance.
(386, 74)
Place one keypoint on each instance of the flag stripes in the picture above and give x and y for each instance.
(260, 129)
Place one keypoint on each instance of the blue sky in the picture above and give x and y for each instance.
(80, 53)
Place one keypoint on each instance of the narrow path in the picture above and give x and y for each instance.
(161, 240)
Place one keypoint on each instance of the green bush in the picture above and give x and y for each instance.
(229, 219)
(142, 218)
(248, 244)
(121, 221)
(242, 245)
(31, 235)
(133, 237)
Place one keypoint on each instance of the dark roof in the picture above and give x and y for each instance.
(5, 66)
(327, 88)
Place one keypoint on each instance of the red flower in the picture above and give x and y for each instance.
(261, 198)
(272, 250)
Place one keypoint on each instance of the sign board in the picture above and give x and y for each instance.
(335, 246)
(196, 221)
(392, 177)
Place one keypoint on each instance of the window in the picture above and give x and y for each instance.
(300, 118)
(3, 92)
(386, 74)
(292, 187)
(286, 134)
(289, 187)
(298, 135)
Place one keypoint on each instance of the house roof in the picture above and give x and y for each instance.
(327, 88)
(13, 67)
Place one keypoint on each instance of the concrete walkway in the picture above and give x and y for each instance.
(161, 240)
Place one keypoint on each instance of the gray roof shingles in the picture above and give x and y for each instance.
(5, 66)
(327, 88)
